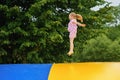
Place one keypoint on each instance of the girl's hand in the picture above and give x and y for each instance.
(83, 25)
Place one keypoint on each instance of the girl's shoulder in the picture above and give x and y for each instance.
(73, 20)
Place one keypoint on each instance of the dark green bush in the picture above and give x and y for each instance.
(101, 48)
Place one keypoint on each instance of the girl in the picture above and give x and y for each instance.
(72, 28)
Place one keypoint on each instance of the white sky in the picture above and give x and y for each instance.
(113, 3)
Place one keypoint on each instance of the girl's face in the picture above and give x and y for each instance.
(70, 17)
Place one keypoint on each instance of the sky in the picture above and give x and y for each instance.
(113, 3)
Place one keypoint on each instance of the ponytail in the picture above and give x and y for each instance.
(79, 17)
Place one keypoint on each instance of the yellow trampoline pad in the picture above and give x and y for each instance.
(85, 71)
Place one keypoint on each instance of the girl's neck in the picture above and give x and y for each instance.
(72, 19)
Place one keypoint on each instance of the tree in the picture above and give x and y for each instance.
(115, 12)
(101, 49)
(37, 32)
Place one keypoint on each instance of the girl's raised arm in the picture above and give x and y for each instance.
(79, 24)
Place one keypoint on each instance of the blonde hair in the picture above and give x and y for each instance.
(76, 16)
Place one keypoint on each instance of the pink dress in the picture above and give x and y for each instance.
(72, 28)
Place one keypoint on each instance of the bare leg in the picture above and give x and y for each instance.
(71, 46)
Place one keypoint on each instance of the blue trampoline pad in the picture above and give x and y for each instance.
(24, 71)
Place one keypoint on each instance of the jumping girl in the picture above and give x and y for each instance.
(72, 28)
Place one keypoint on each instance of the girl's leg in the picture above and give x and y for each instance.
(71, 46)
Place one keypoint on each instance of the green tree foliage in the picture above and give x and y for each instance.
(115, 11)
(114, 33)
(24, 4)
(101, 48)
(35, 31)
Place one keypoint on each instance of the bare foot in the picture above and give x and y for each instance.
(70, 53)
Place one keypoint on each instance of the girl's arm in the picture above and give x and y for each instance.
(79, 24)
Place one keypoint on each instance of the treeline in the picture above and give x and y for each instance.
(35, 31)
